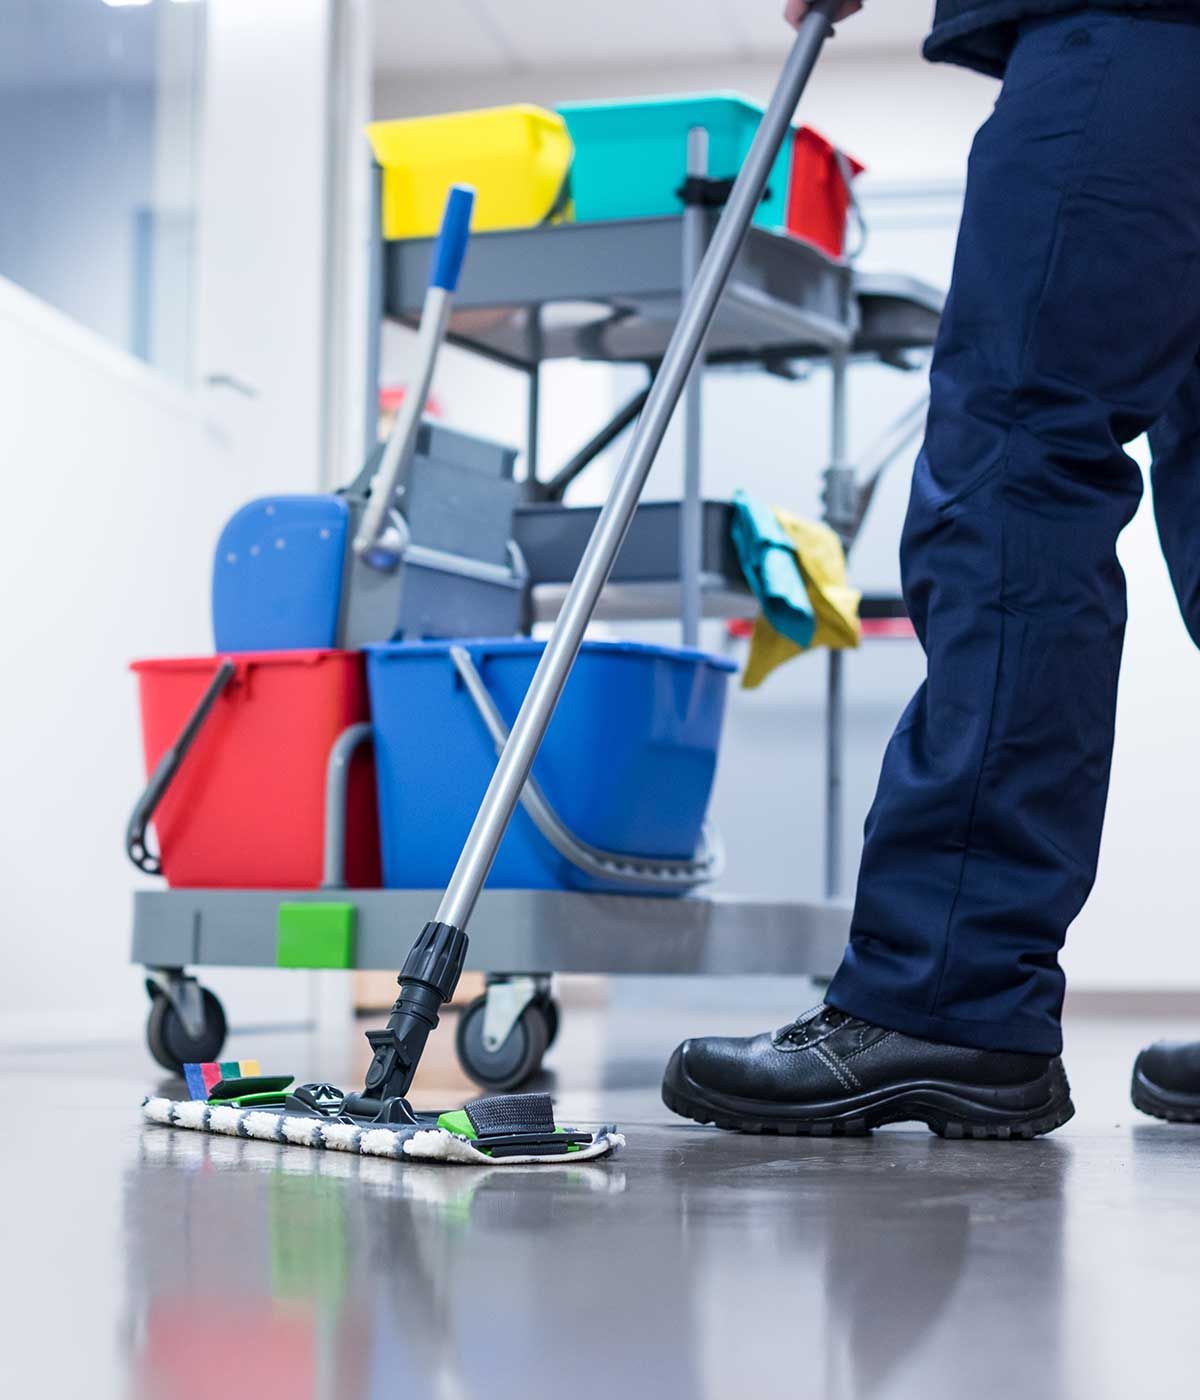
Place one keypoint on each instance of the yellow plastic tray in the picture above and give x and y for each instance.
(517, 158)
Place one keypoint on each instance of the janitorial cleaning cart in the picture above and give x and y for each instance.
(574, 774)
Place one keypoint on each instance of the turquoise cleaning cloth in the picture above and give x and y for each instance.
(769, 562)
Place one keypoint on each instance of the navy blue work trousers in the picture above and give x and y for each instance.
(1072, 327)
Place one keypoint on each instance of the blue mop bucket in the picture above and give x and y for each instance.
(627, 764)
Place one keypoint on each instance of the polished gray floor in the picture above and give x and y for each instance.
(151, 1262)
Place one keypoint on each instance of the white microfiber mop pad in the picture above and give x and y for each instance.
(406, 1143)
(342, 1137)
(224, 1120)
(437, 1145)
(191, 1115)
(159, 1110)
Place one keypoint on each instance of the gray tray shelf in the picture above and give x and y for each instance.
(612, 291)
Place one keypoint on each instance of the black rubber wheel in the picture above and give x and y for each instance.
(169, 1042)
(553, 1014)
(517, 1060)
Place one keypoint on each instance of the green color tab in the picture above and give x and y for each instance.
(457, 1122)
(316, 935)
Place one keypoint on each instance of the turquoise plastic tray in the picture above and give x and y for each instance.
(631, 156)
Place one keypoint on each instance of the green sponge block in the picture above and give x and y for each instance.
(315, 935)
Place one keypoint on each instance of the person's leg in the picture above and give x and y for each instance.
(1166, 1076)
(1175, 479)
(1073, 315)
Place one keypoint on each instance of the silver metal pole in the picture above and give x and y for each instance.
(533, 403)
(838, 496)
(401, 445)
(695, 237)
(834, 722)
(375, 257)
(513, 768)
(533, 415)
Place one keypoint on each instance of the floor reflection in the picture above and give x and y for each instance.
(899, 1258)
(695, 1265)
(340, 1276)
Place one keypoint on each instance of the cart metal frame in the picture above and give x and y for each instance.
(607, 292)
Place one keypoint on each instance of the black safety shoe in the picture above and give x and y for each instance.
(1166, 1082)
(831, 1073)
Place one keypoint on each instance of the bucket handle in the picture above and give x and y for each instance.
(638, 872)
(155, 790)
(337, 780)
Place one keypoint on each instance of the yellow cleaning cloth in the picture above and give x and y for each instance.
(835, 604)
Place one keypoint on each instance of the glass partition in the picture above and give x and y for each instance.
(99, 124)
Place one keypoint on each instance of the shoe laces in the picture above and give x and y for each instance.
(819, 1021)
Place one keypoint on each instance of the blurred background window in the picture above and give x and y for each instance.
(99, 127)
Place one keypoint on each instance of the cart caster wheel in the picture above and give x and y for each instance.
(518, 1059)
(553, 1014)
(169, 1042)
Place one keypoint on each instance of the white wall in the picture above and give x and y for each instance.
(115, 490)
(263, 304)
(117, 484)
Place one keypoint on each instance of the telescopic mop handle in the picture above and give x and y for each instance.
(432, 969)
(371, 542)
(516, 762)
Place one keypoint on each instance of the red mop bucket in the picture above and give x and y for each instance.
(820, 194)
(246, 808)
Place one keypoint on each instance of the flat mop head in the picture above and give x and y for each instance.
(234, 1099)
(508, 1129)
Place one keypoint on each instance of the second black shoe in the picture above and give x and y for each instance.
(831, 1073)
(1166, 1081)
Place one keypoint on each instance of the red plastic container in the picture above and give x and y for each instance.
(247, 807)
(818, 196)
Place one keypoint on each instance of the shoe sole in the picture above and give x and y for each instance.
(949, 1110)
(1162, 1103)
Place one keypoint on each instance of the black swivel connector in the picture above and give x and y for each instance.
(427, 980)
(435, 960)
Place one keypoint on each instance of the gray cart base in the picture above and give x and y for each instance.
(533, 930)
(502, 1036)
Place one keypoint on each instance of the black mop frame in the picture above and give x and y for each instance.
(516, 761)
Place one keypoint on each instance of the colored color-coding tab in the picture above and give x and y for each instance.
(201, 1077)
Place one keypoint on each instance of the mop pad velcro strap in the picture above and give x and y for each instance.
(250, 1084)
(506, 1114)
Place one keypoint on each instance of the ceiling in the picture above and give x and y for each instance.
(524, 35)
(72, 41)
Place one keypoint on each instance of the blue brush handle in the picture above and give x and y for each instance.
(451, 246)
